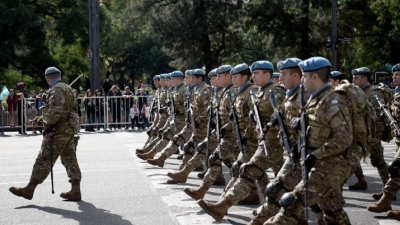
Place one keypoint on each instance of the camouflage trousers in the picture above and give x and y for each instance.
(176, 140)
(63, 145)
(166, 141)
(324, 188)
(393, 184)
(252, 171)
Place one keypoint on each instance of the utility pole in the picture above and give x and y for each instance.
(93, 52)
(334, 35)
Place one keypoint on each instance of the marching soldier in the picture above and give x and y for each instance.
(152, 133)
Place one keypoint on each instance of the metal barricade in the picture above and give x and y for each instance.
(92, 112)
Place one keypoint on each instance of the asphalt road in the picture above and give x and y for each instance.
(119, 188)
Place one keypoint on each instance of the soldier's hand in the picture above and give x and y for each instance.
(196, 124)
(222, 132)
(395, 134)
(252, 116)
(274, 120)
(309, 162)
(294, 152)
(161, 111)
(296, 124)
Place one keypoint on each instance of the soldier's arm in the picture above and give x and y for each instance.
(374, 102)
(338, 119)
(56, 100)
(202, 115)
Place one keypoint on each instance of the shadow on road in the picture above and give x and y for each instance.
(89, 215)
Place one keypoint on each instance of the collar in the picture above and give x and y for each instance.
(290, 91)
(365, 86)
(55, 81)
(244, 86)
(198, 86)
(397, 89)
(315, 93)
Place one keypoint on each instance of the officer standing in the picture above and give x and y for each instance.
(60, 122)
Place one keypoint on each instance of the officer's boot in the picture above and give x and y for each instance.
(251, 199)
(360, 185)
(395, 214)
(383, 205)
(217, 210)
(197, 194)
(220, 179)
(378, 196)
(159, 161)
(144, 150)
(74, 194)
(25, 192)
(179, 177)
(147, 155)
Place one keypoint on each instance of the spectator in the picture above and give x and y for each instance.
(130, 85)
(107, 86)
(114, 103)
(12, 102)
(21, 113)
(39, 102)
(90, 110)
(145, 116)
(143, 94)
(31, 113)
(99, 107)
(1, 119)
(140, 84)
(134, 113)
(128, 102)
(78, 102)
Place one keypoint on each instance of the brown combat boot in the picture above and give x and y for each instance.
(148, 155)
(181, 176)
(217, 210)
(395, 214)
(378, 196)
(26, 192)
(197, 194)
(144, 150)
(220, 180)
(360, 185)
(74, 194)
(159, 161)
(201, 174)
(383, 205)
(199, 168)
(251, 199)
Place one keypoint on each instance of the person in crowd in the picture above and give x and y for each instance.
(31, 113)
(134, 114)
(88, 101)
(128, 102)
(143, 94)
(99, 108)
(1, 119)
(12, 102)
(114, 103)
(107, 86)
(145, 115)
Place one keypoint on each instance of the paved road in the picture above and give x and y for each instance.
(118, 188)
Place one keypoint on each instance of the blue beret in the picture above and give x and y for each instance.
(335, 74)
(261, 65)
(162, 76)
(156, 77)
(239, 68)
(212, 73)
(313, 64)
(361, 70)
(224, 69)
(168, 76)
(188, 72)
(51, 70)
(276, 75)
(198, 72)
(288, 63)
(396, 68)
(177, 74)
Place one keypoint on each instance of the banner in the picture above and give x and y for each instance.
(4, 93)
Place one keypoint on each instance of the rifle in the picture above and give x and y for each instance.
(172, 108)
(240, 140)
(386, 114)
(303, 147)
(282, 131)
(210, 117)
(187, 106)
(258, 120)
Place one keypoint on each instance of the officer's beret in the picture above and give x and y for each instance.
(212, 73)
(168, 76)
(314, 63)
(198, 72)
(224, 69)
(288, 63)
(156, 77)
(189, 72)
(239, 68)
(261, 65)
(52, 70)
(396, 68)
(177, 74)
(361, 70)
(276, 75)
(335, 74)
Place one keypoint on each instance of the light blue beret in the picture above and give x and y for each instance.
(51, 70)
(361, 70)
(198, 72)
(212, 73)
(276, 75)
(239, 68)
(261, 65)
(314, 63)
(396, 68)
(224, 69)
(288, 63)
(156, 77)
(177, 74)
(335, 74)
(162, 76)
(168, 76)
(188, 72)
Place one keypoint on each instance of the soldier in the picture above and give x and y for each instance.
(361, 77)
(60, 125)
(275, 77)
(225, 151)
(329, 134)
(201, 151)
(393, 184)
(254, 170)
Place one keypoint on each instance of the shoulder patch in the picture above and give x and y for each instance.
(334, 101)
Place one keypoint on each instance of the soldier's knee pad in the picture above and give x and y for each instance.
(202, 148)
(236, 168)
(214, 160)
(287, 199)
(178, 140)
(270, 189)
(377, 162)
(394, 169)
(228, 163)
(250, 172)
(188, 148)
(167, 134)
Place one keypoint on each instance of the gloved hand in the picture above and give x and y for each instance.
(252, 116)
(294, 152)
(196, 124)
(161, 111)
(222, 132)
(296, 124)
(310, 161)
(244, 141)
(50, 131)
(274, 120)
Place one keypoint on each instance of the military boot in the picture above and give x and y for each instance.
(199, 168)
(181, 176)
(216, 210)
(251, 199)
(144, 150)
(220, 180)
(201, 174)
(159, 161)
(74, 194)
(378, 196)
(147, 155)
(26, 192)
(360, 185)
(197, 194)
(383, 205)
(395, 214)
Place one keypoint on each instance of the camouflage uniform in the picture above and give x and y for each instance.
(152, 133)
(59, 114)
(329, 134)
(156, 131)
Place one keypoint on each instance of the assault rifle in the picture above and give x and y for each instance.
(172, 108)
(187, 106)
(386, 114)
(209, 125)
(282, 130)
(258, 120)
(303, 147)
